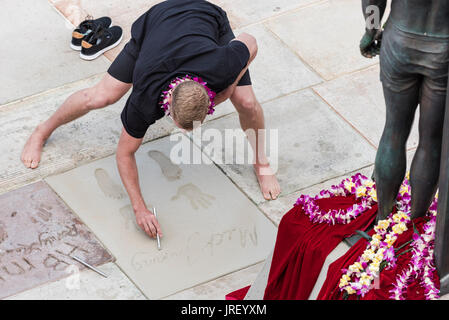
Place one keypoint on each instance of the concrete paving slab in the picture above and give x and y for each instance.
(210, 228)
(314, 144)
(245, 12)
(91, 137)
(38, 58)
(219, 288)
(277, 70)
(86, 285)
(359, 99)
(326, 35)
(38, 236)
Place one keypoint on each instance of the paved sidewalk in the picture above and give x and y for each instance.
(314, 86)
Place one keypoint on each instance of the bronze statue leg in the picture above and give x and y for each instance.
(391, 160)
(425, 167)
(442, 223)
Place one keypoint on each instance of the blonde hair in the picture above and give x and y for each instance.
(190, 103)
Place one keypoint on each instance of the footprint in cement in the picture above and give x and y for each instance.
(108, 186)
(170, 170)
(195, 195)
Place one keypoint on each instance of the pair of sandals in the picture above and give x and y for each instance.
(94, 37)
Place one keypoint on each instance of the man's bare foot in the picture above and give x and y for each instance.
(31, 154)
(268, 182)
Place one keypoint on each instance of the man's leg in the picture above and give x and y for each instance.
(106, 92)
(391, 160)
(425, 168)
(251, 117)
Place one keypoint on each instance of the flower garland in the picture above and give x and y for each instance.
(380, 253)
(165, 104)
(358, 185)
(421, 264)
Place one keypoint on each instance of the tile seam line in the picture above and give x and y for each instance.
(310, 67)
(348, 73)
(213, 279)
(281, 14)
(40, 177)
(345, 120)
(11, 104)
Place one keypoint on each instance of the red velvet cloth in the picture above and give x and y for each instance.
(331, 291)
(238, 294)
(302, 247)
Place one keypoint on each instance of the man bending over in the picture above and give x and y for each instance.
(183, 59)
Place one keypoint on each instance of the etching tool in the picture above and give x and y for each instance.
(157, 234)
(89, 266)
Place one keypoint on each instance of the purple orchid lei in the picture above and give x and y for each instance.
(421, 265)
(165, 104)
(358, 278)
(358, 185)
(380, 253)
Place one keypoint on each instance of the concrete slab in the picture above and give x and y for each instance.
(91, 137)
(359, 99)
(314, 144)
(277, 70)
(210, 228)
(219, 288)
(86, 285)
(35, 59)
(42, 252)
(245, 12)
(326, 35)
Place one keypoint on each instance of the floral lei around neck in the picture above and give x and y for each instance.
(380, 253)
(165, 104)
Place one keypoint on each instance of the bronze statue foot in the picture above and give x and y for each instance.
(444, 285)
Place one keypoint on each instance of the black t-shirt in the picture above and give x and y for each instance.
(175, 38)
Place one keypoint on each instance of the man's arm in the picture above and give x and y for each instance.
(373, 12)
(127, 167)
(371, 22)
(251, 44)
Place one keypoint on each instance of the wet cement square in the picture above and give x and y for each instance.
(210, 228)
(38, 233)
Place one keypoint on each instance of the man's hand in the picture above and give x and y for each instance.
(148, 222)
(370, 43)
